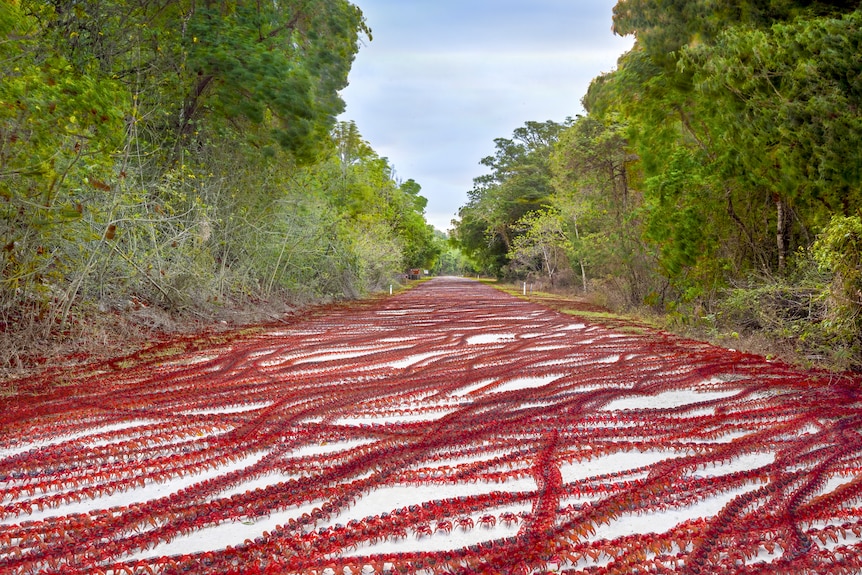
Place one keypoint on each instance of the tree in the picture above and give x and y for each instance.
(185, 153)
(350, 146)
(421, 249)
(519, 182)
(451, 261)
(599, 206)
(58, 131)
(368, 192)
(275, 66)
(542, 246)
(663, 27)
(734, 113)
(787, 92)
(288, 60)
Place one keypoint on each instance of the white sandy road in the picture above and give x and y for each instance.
(500, 362)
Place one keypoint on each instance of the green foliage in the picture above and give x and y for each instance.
(366, 191)
(287, 60)
(184, 155)
(838, 250)
(792, 93)
(796, 313)
(451, 261)
(600, 208)
(744, 121)
(58, 133)
(541, 248)
(680, 214)
(519, 182)
(663, 27)
(724, 143)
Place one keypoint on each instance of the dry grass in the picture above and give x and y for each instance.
(595, 306)
(93, 334)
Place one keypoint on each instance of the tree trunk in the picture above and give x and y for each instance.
(757, 255)
(580, 260)
(781, 232)
(192, 103)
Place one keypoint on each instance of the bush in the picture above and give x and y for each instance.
(838, 250)
(795, 313)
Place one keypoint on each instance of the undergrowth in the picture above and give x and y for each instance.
(796, 322)
(141, 332)
(92, 334)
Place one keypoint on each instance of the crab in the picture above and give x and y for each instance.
(508, 518)
(422, 530)
(444, 525)
(465, 523)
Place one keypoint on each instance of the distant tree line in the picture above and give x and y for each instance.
(716, 176)
(186, 154)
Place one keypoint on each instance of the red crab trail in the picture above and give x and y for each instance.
(451, 429)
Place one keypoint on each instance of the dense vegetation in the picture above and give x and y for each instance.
(185, 155)
(717, 175)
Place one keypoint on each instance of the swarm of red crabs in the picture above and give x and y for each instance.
(449, 429)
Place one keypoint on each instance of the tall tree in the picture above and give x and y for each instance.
(279, 65)
(169, 150)
(599, 205)
(519, 181)
(725, 106)
(790, 93)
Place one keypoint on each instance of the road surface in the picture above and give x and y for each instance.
(448, 429)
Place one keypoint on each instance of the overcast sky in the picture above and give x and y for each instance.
(442, 78)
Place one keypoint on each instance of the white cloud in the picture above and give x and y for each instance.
(443, 78)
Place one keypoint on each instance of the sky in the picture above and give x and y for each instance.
(441, 79)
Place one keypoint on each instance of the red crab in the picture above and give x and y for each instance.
(465, 523)
(444, 525)
(508, 518)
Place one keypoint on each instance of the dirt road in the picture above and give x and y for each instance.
(451, 428)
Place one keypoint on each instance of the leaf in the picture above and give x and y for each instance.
(99, 185)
